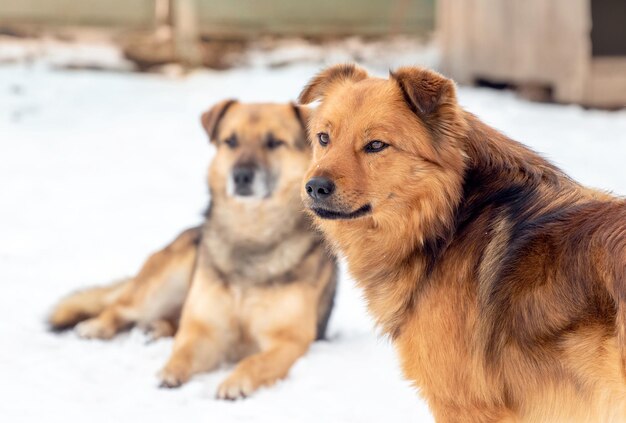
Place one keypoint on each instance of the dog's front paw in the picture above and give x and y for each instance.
(94, 329)
(236, 386)
(173, 376)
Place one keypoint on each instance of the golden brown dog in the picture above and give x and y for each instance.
(501, 281)
(256, 281)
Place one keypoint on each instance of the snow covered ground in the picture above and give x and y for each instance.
(97, 169)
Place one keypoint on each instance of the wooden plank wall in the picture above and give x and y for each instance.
(315, 18)
(240, 18)
(118, 13)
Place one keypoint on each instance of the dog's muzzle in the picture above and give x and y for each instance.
(243, 178)
(321, 189)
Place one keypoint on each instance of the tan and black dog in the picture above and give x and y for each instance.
(501, 281)
(257, 283)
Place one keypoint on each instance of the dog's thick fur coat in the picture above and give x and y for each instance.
(501, 281)
(254, 284)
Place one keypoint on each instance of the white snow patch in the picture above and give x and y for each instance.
(100, 53)
(381, 55)
(49, 51)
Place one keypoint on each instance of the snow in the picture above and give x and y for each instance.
(97, 51)
(381, 54)
(54, 52)
(97, 169)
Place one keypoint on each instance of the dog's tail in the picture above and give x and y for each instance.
(84, 304)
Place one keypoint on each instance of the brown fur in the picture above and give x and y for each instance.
(151, 300)
(256, 281)
(500, 280)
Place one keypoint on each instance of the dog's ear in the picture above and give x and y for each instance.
(321, 83)
(424, 90)
(303, 114)
(432, 97)
(212, 117)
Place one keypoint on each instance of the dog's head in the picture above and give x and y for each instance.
(262, 149)
(383, 149)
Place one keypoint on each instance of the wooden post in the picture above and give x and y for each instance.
(186, 35)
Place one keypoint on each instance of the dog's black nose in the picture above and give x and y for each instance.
(243, 176)
(319, 188)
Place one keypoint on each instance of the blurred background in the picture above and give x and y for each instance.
(103, 160)
(571, 51)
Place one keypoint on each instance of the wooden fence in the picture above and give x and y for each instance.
(234, 19)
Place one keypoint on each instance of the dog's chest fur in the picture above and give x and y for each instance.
(241, 257)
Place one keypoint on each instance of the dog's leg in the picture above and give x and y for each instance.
(198, 348)
(206, 329)
(156, 293)
(111, 321)
(160, 329)
(283, 323)
(262, 369)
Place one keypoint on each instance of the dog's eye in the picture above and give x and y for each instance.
(323, 139)
(231, 141)
(273, 143)
(375, 146)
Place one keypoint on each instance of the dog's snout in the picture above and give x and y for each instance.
(320, 188)
(243, 175)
